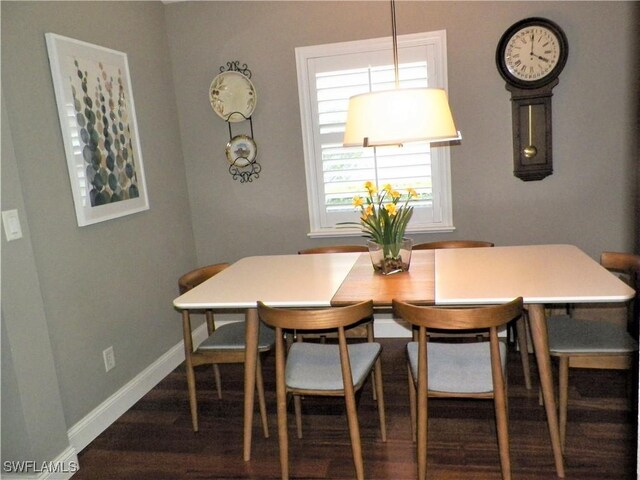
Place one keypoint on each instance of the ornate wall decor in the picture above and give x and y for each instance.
(233, 98)
(99, 130)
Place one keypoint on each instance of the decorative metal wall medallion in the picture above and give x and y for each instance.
(233, 98)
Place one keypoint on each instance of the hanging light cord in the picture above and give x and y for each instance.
(394, 36)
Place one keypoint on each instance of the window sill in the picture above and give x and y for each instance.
(356, 232)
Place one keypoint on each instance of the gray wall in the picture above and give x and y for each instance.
(112, 283)
(587, 201)
(106, 284)
(31, 402)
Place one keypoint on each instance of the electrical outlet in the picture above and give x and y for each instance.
(109, 359)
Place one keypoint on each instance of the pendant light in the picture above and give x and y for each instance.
(399, 116)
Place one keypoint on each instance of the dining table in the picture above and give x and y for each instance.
(544, 275)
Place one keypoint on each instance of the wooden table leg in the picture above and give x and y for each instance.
(251, 355)
(540, 339)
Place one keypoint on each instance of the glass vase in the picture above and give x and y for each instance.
(392, 258)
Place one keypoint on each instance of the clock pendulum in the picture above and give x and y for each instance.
(530, 150)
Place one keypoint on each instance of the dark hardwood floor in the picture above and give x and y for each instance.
(154, 439)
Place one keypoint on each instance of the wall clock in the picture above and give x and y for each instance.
(530, 56)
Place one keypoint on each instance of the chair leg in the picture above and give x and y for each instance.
(350, 403)
(412, 402)
(216, 371)
(193, 401)
(261, 401)
(216, 375)
(377, 370)
(563, 397)
(523, 346)
(500, 402)
(422, 415)
(297, 408)
(422, 421)
(354, 433)
(369, 329)
(503, 432)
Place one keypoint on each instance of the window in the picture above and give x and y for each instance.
(327, 76)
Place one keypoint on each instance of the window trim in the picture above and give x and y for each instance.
(440, 155)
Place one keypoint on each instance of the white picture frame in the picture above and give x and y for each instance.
(99, 129)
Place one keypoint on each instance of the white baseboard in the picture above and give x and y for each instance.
(386, 326)
(60, 468)
(101, 417)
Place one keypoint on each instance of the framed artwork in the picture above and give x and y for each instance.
(98, 122)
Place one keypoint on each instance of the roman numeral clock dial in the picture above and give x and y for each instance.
(532, 53)
(530, 56)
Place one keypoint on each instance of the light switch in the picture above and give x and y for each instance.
(11, 223)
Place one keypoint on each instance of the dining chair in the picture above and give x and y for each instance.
(594, 343)
(462, 370)
(452, 244)
(225, 344)
(520, 325)
(323, 369)
(364, 328)
(334, 249)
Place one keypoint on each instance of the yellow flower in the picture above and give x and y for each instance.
(391, 208)
(371, 188)
(385, 213)
(368, 211)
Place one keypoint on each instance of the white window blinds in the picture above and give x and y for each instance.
(328, 75)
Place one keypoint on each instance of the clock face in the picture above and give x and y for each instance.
(532, 53)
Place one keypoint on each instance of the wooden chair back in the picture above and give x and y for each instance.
(490, 317)
(459, 318)
(365, 329)
(198, 356)
(321, 319)
(582, 351)
(195, 277)
(520, 325)
(628, 265)
(452, 244)
(334, 249)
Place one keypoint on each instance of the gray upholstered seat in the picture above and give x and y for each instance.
(323, 369)
(519, 325)
(313, 366)
(571, 335)
(225, 344)
(595, 343)
(463, 370)
(457, 367)
(231, 337)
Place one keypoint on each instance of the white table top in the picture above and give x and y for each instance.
(277, 280)
(538, 273)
